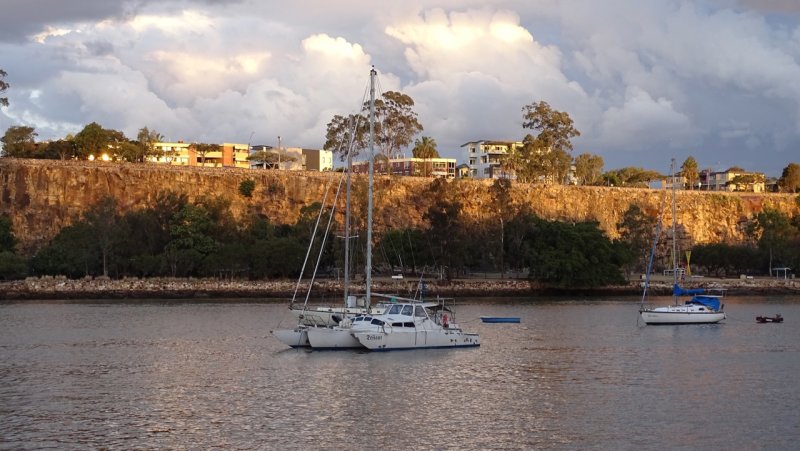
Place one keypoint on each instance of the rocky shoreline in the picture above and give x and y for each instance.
(60, 288)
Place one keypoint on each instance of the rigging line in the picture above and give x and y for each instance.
(354, 122)
(328, 184)
(653, 250)
(324, 240)
(411, 247)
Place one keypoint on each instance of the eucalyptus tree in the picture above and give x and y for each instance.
(147, 140)
(544, 156)
(19, 141)
(396, 124)
(588, 168)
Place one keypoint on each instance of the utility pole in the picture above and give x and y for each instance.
(279, 152)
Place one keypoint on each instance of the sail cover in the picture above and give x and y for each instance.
(678, 291)
(712, 302)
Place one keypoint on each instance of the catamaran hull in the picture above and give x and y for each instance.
(328, 316)
(295, 338)
(675, 318)
(331, 338)
(396, 341)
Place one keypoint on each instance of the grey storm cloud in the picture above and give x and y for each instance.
(644, 81)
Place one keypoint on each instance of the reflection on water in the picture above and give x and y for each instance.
(571, 375)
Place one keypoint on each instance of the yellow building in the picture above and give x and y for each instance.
(186, 154)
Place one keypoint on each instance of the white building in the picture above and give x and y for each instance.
(484, 157)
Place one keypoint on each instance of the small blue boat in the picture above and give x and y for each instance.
(500, 319)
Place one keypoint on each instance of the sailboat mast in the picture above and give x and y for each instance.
(372, 75)
(347, 220)
(674, 237)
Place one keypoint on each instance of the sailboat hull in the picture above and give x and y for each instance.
(423, 339)
(329, 338)
(675, 317)
(295, 338)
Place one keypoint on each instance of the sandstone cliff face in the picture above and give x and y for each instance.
(44, 196)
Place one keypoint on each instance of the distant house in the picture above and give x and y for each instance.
(484, 157)
(318, 159)
(733, 179)
(666, 183)
(415, 167)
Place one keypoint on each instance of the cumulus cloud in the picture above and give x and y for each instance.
(641, 79)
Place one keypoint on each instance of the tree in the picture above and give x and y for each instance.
(637, 229)
(103, 220)
(630, 177)
(3, 87)
(132, 152)
(8, 242)
(203, 149)
(425, 148)
(18, 142)
(588, 168)
(396, 125)
(773, 231)
(689, 171)
(500, 192)
(790, 178)
(345, 132)
(545, 156)
(555, 128)
(92, 140)
(567, 255)
(745, 182)
(63, 148)
(270, 158)
(147, 140)
(246, 187)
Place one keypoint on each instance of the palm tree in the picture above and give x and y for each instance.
(425, 148)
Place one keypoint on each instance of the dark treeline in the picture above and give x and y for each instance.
(181, 238)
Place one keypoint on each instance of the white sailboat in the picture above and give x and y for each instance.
(396, 323)
(412, 325)
(317, 325)
(701, 308)
(339, 336)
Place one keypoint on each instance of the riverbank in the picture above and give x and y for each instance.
(54, 288)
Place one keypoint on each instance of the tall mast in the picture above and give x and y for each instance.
(372, 75)
(347, 221)
(674, 228)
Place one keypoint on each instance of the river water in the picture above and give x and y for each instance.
(571, 375)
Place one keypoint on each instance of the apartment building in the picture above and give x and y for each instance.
(186, 154)
(413, 167)
(732, 179)
(483, 157)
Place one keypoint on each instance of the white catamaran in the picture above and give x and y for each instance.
(393, 324)
(701, 308)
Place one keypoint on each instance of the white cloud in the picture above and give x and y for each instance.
(713, 76)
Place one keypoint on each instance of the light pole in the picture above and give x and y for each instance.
(249, 152)
(279, 152)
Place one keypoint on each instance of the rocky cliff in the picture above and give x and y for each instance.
(42, 196)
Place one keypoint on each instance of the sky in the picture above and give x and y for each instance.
(644, 81)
